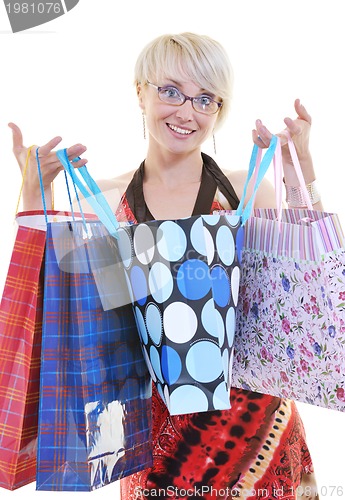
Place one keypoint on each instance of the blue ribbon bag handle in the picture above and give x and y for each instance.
(245, 212)
(91, 192)
(44, 203)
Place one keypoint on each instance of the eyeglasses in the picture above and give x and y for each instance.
(202, 103)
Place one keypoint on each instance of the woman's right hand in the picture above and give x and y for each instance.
(50, 167)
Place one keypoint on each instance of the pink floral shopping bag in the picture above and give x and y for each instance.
(290, 338)
(290, 333)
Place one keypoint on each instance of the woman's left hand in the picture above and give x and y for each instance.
(299, 130)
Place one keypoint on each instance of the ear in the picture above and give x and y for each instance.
(140, 96)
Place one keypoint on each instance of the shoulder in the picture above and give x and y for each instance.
(112, 189)
(116, 184)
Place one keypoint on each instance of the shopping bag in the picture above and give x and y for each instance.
(183, 277)
(290, 338)
(95, 391)
(20, 343)
(291, 315)
(20, 346)
(20, 349)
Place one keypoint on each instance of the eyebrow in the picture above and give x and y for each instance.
(179, 84)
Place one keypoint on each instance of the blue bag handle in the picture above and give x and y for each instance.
(41, 186)
(245, 212)
(91, 192)
(44, 203)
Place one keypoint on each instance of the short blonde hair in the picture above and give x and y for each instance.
(197, 57)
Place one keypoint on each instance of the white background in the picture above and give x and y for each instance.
(74, 77)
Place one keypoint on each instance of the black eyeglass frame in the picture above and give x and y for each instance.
(186, 98)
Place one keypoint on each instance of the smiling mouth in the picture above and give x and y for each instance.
(179, 130)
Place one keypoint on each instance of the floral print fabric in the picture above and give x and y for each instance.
(290, 339)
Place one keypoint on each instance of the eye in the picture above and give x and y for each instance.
(205, 101)
(170, 92)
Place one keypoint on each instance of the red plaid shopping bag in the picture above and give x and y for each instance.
(20, 351)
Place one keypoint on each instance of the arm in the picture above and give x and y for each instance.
(299, 130)
(50, 167)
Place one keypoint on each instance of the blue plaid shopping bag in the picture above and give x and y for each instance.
(95, 390)
(95, 406)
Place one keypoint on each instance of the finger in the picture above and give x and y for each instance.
(47, 148)
(72, 152)
(264, 134)
(75, 151)
(292, 126)
(302, 112)
(17, 136)
(257, 139)
(79, 163)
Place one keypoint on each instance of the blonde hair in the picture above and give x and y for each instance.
(197, 57)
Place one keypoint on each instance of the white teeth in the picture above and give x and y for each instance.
(179, 130)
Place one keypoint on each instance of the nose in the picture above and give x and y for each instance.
(185, 111)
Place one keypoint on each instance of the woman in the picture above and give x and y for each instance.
(257, 449)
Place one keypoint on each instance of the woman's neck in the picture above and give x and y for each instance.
(168, 168)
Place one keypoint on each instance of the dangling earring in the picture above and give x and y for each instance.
(214, 144)
(144, 126)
